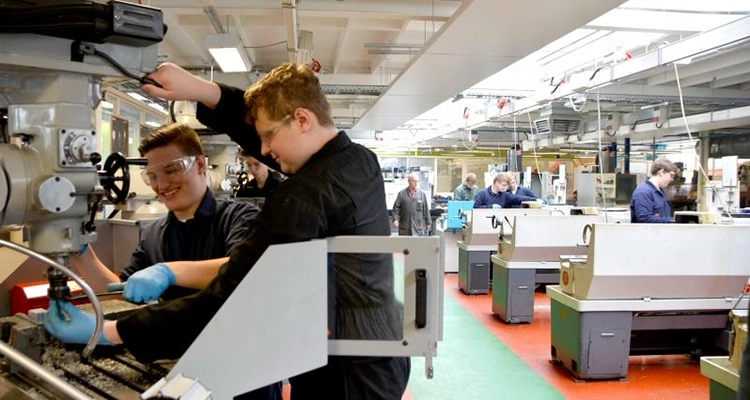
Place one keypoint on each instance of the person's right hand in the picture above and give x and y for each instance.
(179, 84)
(69, 324)
(148, 284)
(395, 224)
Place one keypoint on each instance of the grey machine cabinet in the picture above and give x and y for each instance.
(474, 271)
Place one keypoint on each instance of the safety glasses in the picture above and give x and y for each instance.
(267, 136)
(170, 170)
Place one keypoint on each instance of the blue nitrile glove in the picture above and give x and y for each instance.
(497, 206)
(148, 284)
(69, 324)
(83, 249)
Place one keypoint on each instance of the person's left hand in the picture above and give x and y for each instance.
(149, 284)
(69, 324)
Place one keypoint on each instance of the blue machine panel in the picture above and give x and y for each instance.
(456, 209)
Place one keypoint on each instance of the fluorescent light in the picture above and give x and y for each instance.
(107, 105)
(137, 96)
(227, 52)
(153, 124)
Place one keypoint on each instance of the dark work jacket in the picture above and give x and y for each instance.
(252, 189)
(649, 205)
(339, 191)
(486, 199)
(215, 228)
(523, 191)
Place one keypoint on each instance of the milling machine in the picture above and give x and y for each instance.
(645, 289)
(55, 58)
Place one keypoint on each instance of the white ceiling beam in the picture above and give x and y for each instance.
(181, 43)
(475, 44)
(338, 56)
(244, 39)
(289, 10)
(731, 81)
(421, 8)
(715, 75)
(377, 62)
(624, 19)
(688, 70)
(642, 90)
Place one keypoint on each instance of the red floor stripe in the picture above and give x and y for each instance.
(652, 377)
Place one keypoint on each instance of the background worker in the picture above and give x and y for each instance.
(264, 179)
(515, 188)
(411, 212)
(468, 189)
(497, 195)
(649, 204)
(292, 128)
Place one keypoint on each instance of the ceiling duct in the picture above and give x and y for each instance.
(556, 120)
(730, 145)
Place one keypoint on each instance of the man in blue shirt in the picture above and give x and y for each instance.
(649, 203)
(497, 195)
(515, 188)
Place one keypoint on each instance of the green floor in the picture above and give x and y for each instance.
(474, 364)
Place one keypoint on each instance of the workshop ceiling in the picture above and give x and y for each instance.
(387, 63)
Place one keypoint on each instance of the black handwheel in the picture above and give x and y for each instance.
(115, 163)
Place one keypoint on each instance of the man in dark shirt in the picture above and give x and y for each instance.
(176, 172)
(264, 179)
(649, 204)
(292, 128)
(497, 196)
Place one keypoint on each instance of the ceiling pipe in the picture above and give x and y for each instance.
(213, 17)
(289, 10)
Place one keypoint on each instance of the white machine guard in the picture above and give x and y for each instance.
(420, 253)
(236, 352)
(272, 327)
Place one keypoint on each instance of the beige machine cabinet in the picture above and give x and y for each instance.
(530, 257)
(480, 242)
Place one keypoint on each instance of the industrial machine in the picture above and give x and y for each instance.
(480, 242)
(530, 256)
(449, 227)
(723, 372)
(53, 179)
(646, 289)
(53, 183)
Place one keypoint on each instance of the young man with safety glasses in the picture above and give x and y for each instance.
(181, 253)
(335, 188)
(175, 254)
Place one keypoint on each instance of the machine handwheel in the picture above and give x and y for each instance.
(109, 179)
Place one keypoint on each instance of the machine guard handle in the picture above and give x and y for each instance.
(421, 295)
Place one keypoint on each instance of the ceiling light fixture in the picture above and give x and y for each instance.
(228, 53)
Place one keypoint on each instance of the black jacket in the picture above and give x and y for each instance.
(252, 189)
(339, 191)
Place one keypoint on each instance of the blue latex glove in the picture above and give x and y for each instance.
(497, 206)
(148, 284)
(71, 325)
